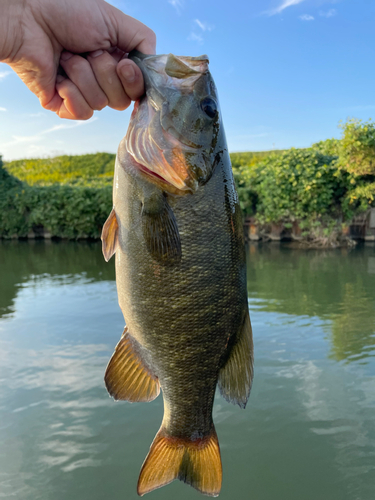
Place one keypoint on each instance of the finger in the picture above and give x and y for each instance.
(131, 78)
(73, 105)
(104, 66)
(131, 33)
(116, 53)
(81, 74)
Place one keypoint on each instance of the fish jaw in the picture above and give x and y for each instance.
(157, 153)
(170, 137)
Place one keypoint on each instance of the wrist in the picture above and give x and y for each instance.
(11, 28)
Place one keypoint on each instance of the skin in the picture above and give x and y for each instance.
(180, 270)
(185, 314)
(39, 36)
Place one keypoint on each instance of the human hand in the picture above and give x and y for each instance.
(38, 36)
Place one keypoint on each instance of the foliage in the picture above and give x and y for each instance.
(329, 147)
(245, 177)
(320, 187)
(357, 158)
(86, 170)
(363, 196)
(244, 180)
(63, 211)
(248, 159)
(357, 148)
(295, 185)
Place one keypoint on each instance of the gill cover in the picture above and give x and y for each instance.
(174, 128)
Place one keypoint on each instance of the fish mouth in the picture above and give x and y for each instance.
(160, 152)
(157, 152)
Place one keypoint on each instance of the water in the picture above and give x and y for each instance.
(309, 429)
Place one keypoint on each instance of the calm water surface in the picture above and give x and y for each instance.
(308, 432)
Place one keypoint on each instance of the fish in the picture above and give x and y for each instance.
(177, 235)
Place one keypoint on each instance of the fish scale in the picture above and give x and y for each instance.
(180, 272)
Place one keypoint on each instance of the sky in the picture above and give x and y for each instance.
(287, 73)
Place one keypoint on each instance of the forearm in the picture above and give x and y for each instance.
(11, 28)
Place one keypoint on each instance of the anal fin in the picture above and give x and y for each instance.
(197, 463)
(110, 235)
(127, 376)
(236, 376)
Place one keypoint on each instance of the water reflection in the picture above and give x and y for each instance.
(22, 260)
(336, 285)
(308, 431)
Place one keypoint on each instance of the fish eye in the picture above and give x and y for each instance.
(209, 106)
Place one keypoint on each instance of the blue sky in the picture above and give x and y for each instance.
(287, 72)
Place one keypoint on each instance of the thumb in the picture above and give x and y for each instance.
(131, 33)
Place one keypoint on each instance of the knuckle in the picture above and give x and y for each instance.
(101, 103)
(152, 36)
(77, 64)
(85, 114)
(120, 104)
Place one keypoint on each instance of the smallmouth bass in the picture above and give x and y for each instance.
(176, 230)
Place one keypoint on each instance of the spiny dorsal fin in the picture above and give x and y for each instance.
(197, 463)
(110, 236)
(127, 377)
(236, 376)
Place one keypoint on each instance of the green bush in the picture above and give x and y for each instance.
(357, 158)
(70, 196)
(357, 148)
(94, 169)
(329, 147)
(63, 211)
(295, 185)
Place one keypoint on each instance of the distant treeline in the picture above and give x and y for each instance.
(320, 188)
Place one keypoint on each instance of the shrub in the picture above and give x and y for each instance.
(86, 170)
(298, 184)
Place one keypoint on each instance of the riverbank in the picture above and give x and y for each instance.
(322, 196)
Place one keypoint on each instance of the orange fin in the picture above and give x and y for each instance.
(110, 235)
(127, 376)
(197, 463)
(236, 376)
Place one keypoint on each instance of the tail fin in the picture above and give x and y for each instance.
(197, 463)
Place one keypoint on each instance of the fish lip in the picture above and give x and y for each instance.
(136, 54)
(177, 145)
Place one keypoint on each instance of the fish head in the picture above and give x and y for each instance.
(174, 128)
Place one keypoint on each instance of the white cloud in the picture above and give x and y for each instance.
(4, 74)
(285, 4)
(194, 37)
(307, 17)
(177, 4)
(329, 13)
(199, 28)
(38, 137)
(203, 26)
(2, 109)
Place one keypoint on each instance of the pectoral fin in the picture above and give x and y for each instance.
(110, 236)
(236, 376)
(160, 230)
(127, 376)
